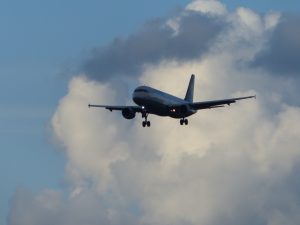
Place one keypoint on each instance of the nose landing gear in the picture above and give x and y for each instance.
(184, 121)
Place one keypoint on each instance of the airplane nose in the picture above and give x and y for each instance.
(133, 95)
(136, 98)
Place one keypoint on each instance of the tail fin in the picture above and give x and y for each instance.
(190, 91)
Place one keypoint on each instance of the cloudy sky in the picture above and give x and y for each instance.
(62, 163)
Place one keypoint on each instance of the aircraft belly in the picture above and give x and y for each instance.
(180, 115)
(156, 107)
(161, 108)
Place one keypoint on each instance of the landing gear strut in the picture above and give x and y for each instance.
(184, 121)
(145, 122)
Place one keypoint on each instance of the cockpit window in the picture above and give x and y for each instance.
(141, 90)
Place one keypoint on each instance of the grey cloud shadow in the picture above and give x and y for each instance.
(282, 55)
(154, 42)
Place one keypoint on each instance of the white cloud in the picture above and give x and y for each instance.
(74, 107)
(207, 7)
(229, 166)
(272, 19)
(174, 24)
(49, 207)
(211, 7)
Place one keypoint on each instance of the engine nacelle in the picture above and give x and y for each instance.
(128, 113)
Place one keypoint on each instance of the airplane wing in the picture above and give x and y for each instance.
(216, 103)
(111, 107)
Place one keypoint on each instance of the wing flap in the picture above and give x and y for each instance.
(116, 107)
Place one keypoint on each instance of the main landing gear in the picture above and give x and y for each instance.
(184, 121)
(146, 122)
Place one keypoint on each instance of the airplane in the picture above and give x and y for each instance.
(153, 101)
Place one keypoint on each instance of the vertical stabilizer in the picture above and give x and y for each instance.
(190, 91)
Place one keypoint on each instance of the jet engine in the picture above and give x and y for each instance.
(128, 113)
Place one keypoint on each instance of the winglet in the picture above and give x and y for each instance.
(190, 91)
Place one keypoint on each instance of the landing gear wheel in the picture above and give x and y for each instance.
(186, 122)
(144, 123)
(148, 123)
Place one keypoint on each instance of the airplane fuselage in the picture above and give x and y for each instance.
(160, 103)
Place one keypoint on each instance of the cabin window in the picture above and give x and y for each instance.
(141, 90)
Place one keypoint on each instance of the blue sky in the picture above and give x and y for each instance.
(266, 5)
(40, 42)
